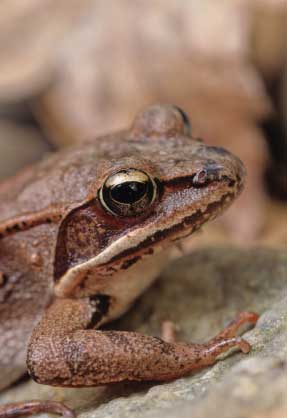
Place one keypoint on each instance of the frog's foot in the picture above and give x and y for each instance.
(169, 329)
(207, 353)
(23, 409)
(226, 339)
(241, 319)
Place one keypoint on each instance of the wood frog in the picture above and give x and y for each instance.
(83, 233)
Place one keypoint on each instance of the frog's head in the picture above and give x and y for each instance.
(155, 185)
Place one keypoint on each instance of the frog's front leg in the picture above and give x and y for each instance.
(64, 351)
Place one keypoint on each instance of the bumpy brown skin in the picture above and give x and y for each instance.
(51, 220)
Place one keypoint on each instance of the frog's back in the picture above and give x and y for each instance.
(59, 178)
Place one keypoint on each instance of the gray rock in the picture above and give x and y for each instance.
(200, 292)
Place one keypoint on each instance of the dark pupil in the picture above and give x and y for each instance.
(128, 192)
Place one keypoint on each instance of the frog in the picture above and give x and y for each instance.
(83, 233)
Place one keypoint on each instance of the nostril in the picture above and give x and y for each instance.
(200, 178)
(212, 172)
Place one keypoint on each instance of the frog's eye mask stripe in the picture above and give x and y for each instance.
(189, 224)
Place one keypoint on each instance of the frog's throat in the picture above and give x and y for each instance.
(128, 249)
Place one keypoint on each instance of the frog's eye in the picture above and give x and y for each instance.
(128, 192)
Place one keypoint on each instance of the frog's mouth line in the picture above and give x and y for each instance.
(110, 262)
(189, 224)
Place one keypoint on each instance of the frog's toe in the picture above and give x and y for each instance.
(232, 328)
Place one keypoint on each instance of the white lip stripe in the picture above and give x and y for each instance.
(131, 240)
